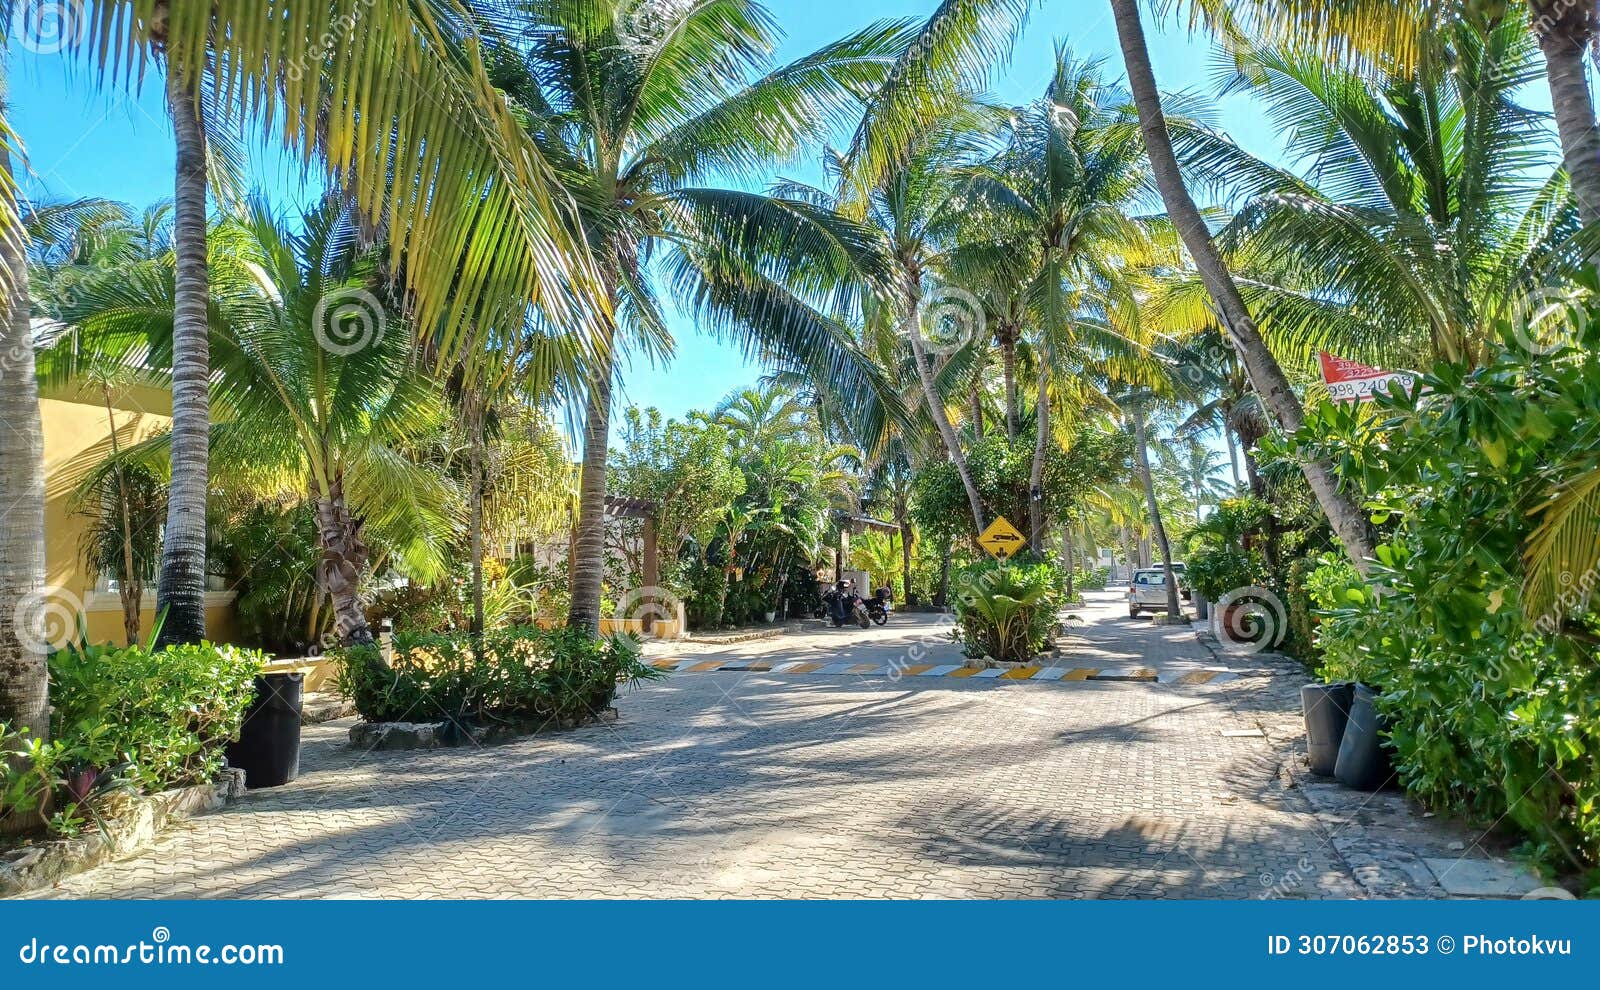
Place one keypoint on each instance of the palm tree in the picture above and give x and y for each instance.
(1401, 249)
(24, 683)
(1266, 375)
(756, 417)
(318, 392)
(1401, 38)
(1135, 404)
(633, 123)
(425, 150)
(1201, 467)
(1064, 192)
(916, 211)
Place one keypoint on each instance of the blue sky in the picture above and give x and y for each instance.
(86, 142)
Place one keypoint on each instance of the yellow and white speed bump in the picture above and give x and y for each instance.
(1146, 675)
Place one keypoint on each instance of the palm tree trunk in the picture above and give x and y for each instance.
(1008, 352)
(344, 560)
(588, 554)
(1565, 30)
(181, 586)
(936, 408)
(1142, 452)
(905, 555)
(1067, 559)
(130, 589)
(24, 682)
(1233, 453)
(1348, 521)
(1036, 473)
(975, 398)
(475, 522)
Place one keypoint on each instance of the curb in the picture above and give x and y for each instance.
(141, 822)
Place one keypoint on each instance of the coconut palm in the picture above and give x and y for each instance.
(421, 145)
(1401, 38)
(317, 390)
(1064, 192)
(1201, 469)
(636, 113)
(24, 683)
(1266, 374)
(1401, 249)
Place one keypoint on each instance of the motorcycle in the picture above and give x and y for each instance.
(879, 606)
(844, 606)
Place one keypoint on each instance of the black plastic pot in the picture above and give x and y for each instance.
(1363, 763)
(268, 750)
(1327, 709)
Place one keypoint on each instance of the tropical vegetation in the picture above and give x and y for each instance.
(1093, 313)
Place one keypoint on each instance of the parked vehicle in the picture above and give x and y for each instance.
(844, 605)
(879, 606)
(1147, 590)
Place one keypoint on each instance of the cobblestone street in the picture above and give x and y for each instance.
(754, 784)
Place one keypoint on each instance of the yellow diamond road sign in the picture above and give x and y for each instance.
(1001, 539)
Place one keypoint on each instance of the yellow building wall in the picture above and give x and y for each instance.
(77, 436)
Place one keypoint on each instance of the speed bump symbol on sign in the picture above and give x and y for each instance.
(1001, 539)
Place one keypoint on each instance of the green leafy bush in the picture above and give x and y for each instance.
(1007, 611)
(166, 714)
(1494, 710)
(1092, 579)
(517, 674)
(127, 717)
(1216, 570)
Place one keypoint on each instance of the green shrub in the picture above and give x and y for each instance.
(516, 674)
(1007, 611)
(1093, 579)
(127, 717)
(1494, 710)
(166, 714)
(1213, 571)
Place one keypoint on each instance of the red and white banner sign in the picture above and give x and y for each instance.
(1351, 381)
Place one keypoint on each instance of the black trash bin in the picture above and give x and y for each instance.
(268, 750)
(1363, 763)
(1327, 709)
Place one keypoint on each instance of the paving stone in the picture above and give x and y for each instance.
(756, 784)
(1472, 877)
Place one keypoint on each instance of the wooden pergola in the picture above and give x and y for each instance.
(628, 507)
